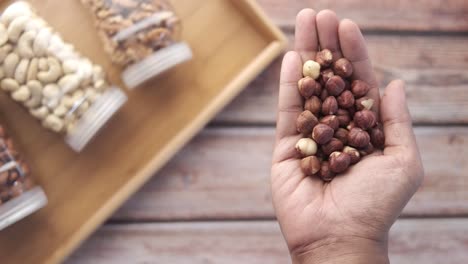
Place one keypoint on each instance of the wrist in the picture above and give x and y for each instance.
(342, 250)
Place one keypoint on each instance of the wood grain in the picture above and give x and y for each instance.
(434, 67)
(224, 174)
(411, 241)
(425, 15)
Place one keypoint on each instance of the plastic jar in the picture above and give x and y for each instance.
(64, 90)
(19, 197)
(142, 36)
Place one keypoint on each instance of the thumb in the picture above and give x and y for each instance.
(396, 119)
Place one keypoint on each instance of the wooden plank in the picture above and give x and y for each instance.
(434, 68)
(224, 174)
(426, 15)
(411, 241)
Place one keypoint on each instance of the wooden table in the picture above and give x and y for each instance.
(212, 204)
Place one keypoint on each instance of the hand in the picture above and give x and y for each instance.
(348, 219)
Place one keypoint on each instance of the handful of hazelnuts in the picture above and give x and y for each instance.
(338, 125)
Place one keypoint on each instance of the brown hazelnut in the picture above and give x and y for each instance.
(358, 138)
(367, 150)
(335, 85)
(324, 57)
(331, 121)
(306, 147)
(342, 135)
(306, 122)
(333, 145)
(377, 137)
(310, 165)
(312, 69)
(343, 68)
(322, 134)
(324, 95)
(346, 99)
(314, 105)
(359, 88)
(351, 111)
(343, 117)
(347, 85)
(339, 161)
(325, 75)
(350, 126)
(325, 173)
(353, 154)
(364, 103)
(329, 106)
(308, 87)
(365, 119)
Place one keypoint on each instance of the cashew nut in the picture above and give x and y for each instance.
(54, 123)
(35, 24)
(3, 34)
(21, 71)
(51, 91)
(70, 66)
(15, 10)
(41, 42)
(35, 87)
(67, 101)
(10, 63)
(53, 73)
(25, 43)
(100, 85)
(9, 85)
(16, 27)
(4, 51)
(82, 108)
(43, 65)
(56, 44)
(69, 83)
(22, 94)
(70, 127)
(32, 70)
(91, 94)
(61, 110)
(67, 52)
(98, 73)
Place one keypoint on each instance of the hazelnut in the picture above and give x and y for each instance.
(314, 105)
(305, 122)
(325, 75)
(364, 103)
(322, 133)
(333, 145)
(350, 126)
(367, 150)
(306, 147)
(347, 85)
(331, 121)
(324, 57)
(310, 165)
(365, 119)
(358, 138)
(359, 88)
(377, 137)
(343, 117)
(346, 99)
(342, 135)
(343, 68)
(308, 87)
(324, 95)
(311, 69)
(339, 161)
(329, 106)
(353, 154)
(335, 85)
(325, 173)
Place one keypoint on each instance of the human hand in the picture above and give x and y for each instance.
(348, 219)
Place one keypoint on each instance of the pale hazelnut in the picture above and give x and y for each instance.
(342, 135)
(329, 106)
(358, 138)
(306, 147)
(331, 121)
(339, 161)
(325, 173)
(324, 57)
(364, 103)
(311, 69)
(343, 68)
(359, 88)
(310, 165)
(305, 122)
(377, 137)
(365, 119)
(343, 117)
(314, 105)
(308, 87)
(353, 154)
(333, 145)
(346, 99)
(335, 85)
(322, 133)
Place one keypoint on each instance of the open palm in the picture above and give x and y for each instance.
(361, 204)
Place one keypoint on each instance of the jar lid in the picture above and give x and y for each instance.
(22, 206)
(157, 63)
(95, 118)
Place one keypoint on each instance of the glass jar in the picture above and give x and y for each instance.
(19, 197)
(142, 36)
(61, 88)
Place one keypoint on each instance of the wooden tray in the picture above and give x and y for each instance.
(232, 42)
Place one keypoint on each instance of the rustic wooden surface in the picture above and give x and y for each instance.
(211, 203)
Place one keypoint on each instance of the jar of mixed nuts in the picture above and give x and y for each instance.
(19, 197)
(142, 36)
(61, 88)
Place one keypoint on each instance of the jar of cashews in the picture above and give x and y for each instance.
(142, 36)
(58, 86)
(19, 196)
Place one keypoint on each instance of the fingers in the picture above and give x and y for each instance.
(396, 119)
(290, 101)
(306, 42)
(327, 27)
